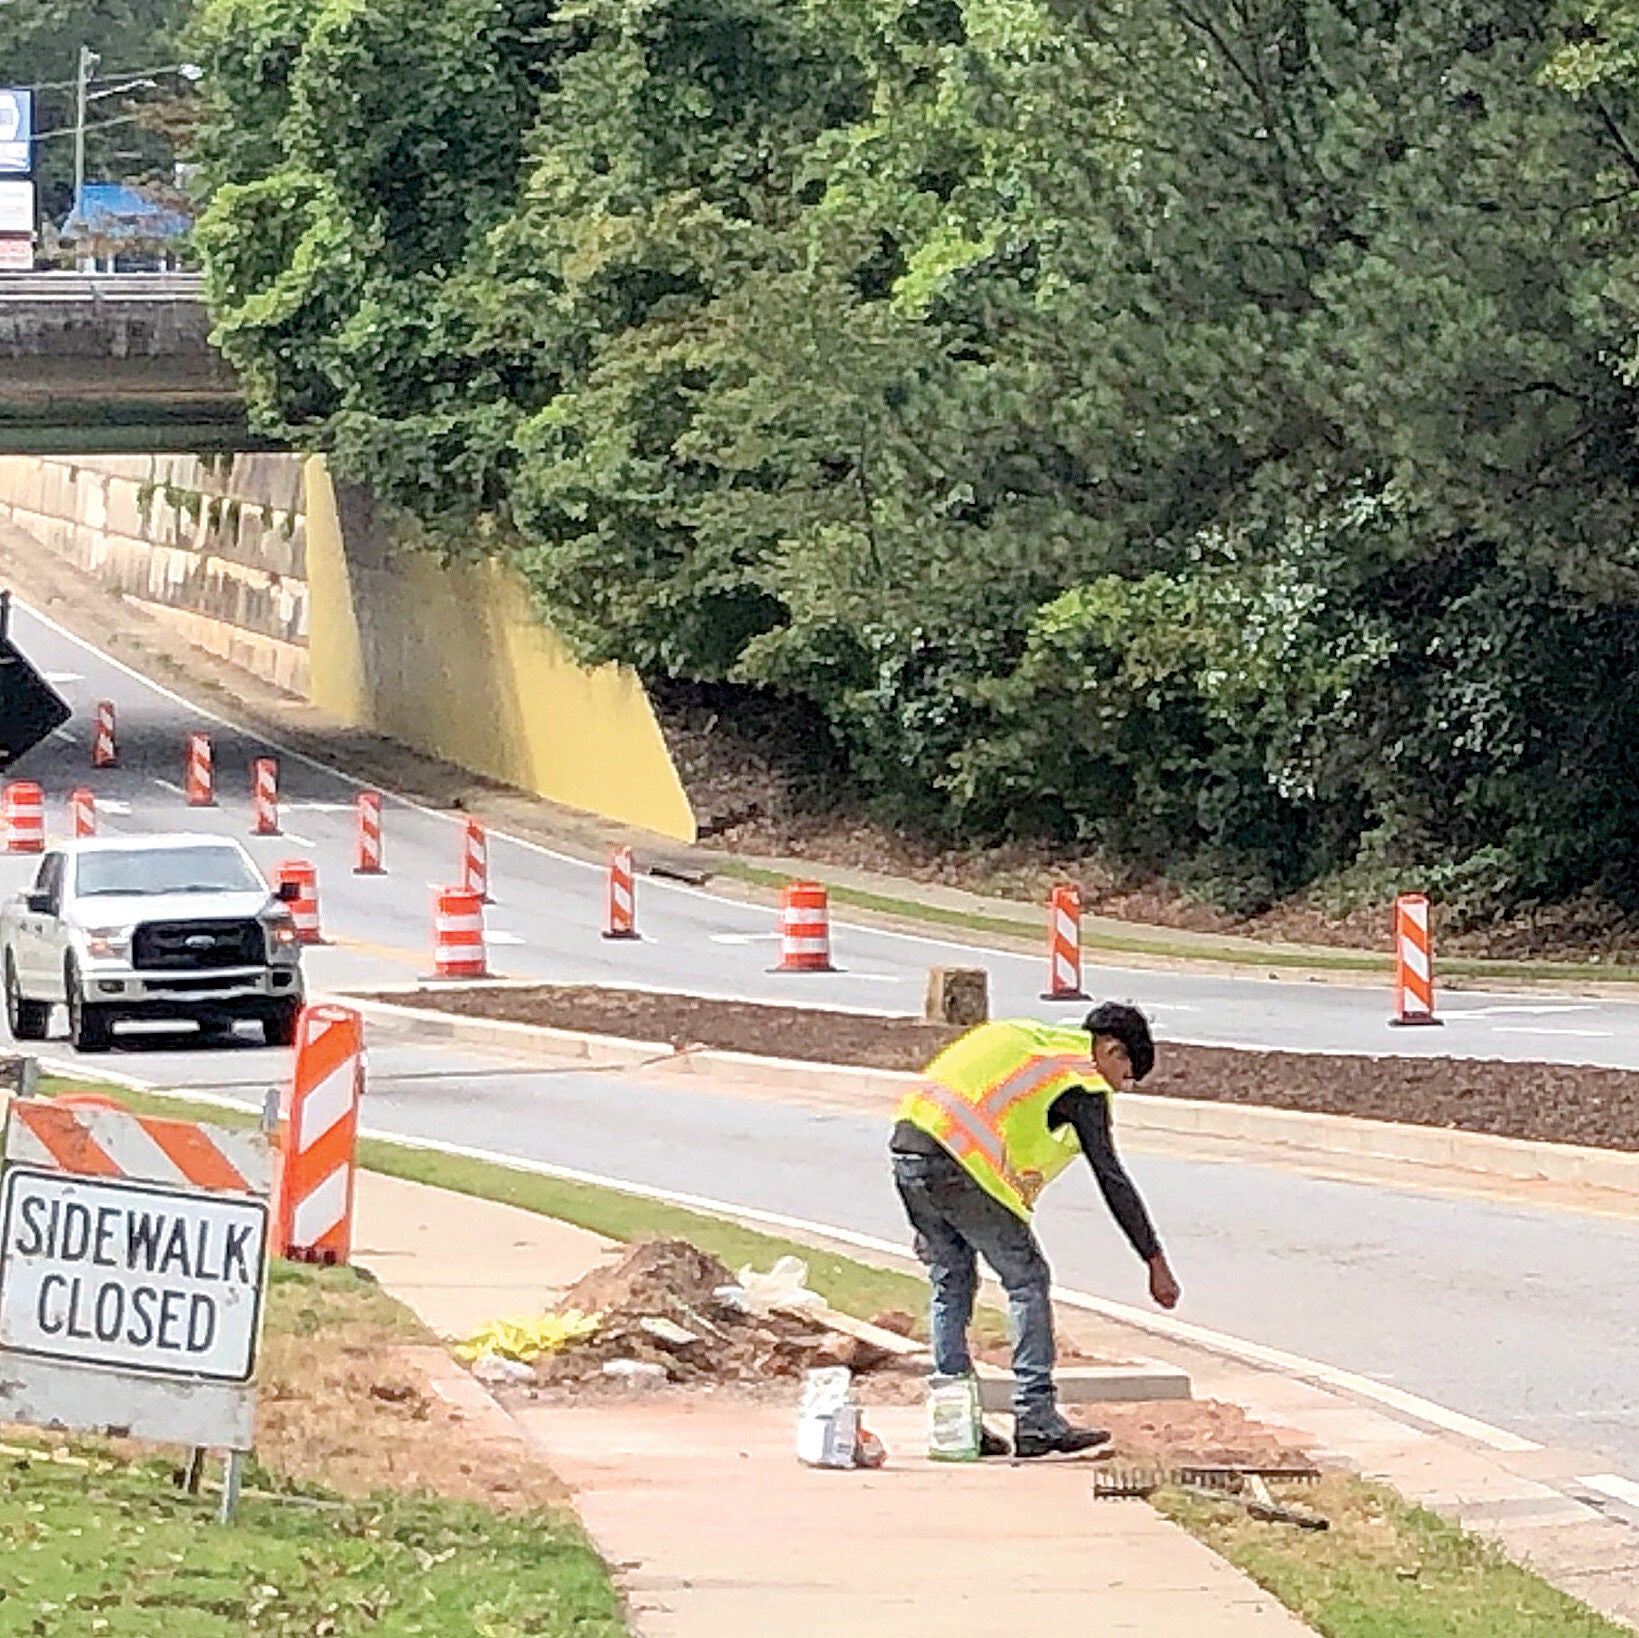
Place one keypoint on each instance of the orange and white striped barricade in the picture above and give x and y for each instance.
(264, 797)
(622, 922)
(475, 859)
(82, 813)
(132, 1278)
(459, 950)
(805, 929)
(367, 856)
(1413, 962)
(1064, 945)
(304, 906)
(318, 1133)
(25, 814)
(199, 772)
(104, 747)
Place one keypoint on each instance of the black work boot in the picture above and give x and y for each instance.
(992, 1444)
(1063, 1440)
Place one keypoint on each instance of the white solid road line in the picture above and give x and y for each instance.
(1614, 1486)
(175, 790)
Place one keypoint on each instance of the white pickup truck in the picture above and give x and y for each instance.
(150, 927)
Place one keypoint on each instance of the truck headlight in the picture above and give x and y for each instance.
(281, 934)
(108, 943)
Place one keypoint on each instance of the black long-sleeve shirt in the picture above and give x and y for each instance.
(1089, 1113)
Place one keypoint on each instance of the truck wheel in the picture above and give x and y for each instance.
(89, 1029)
(279, 1027)
(27, 1020)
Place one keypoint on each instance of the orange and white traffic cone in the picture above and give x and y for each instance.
(82, 813)
(199, 773)
(264, 797)
(1064, 945)
(458, 934)
(313, 1205)
(304, 908)
(104, 747)
(622, 895)
(805, 929)
(1413, 962)
(25, 814)
(368, 855)
(475, 859)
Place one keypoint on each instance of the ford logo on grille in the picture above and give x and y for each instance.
(200, 941)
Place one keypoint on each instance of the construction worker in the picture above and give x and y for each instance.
(993, 1120)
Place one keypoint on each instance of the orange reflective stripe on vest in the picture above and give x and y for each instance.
(986, 1098)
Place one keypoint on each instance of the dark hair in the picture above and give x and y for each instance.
(1128, 1026)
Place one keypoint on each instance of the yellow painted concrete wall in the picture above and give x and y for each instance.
(455, 662)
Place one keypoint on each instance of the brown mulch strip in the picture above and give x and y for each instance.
(1558, 1103)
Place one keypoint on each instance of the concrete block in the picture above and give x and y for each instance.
(957, 995)
(1141, 1379)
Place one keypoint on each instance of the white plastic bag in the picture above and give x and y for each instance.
(782, 1290)
(828, 1418)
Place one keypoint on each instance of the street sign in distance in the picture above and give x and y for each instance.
(131, 1275)
(16, 131)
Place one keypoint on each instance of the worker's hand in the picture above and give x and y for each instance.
(1163, 1286)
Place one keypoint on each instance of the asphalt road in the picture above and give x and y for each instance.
(548, 912)
(1521, 1317)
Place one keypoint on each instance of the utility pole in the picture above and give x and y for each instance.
(88, 61)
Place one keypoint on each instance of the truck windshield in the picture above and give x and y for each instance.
(165, 870)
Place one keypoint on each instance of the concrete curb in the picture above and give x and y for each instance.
(1298, 1132)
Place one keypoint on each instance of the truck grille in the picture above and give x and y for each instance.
(192, 945)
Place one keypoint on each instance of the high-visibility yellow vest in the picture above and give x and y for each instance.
(985, 1098)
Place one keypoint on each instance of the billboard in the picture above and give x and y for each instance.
(17, 207)
(16, 132)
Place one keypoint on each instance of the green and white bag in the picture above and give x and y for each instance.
(953, 1419)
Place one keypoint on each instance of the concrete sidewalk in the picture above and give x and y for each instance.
(716, 1531)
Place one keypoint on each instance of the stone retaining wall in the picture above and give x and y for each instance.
(216, 547)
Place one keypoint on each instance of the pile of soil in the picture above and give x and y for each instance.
(674, 1283)
(1190, 1433)
(1556, 1103)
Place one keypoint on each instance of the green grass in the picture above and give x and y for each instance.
(1386, 1569)
(118, 1549)
(1181, 947)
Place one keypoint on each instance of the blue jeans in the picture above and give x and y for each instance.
(956, 1223)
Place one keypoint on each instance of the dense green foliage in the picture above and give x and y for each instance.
(1202, 431)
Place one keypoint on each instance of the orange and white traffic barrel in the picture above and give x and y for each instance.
(25, 814)
(199, 772)
(805, 929)
(313, 1207)
(1413, 962)
(82, 813)
(104, 747)
(475, 859)
(622, 921)
(458, 934)
(264, 797)
(367, 852)
(1064, 945)
(304, 907)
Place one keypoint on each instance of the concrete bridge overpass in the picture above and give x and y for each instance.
(113, 363)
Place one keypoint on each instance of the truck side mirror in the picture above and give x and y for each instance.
(288, 892)
(39, 904)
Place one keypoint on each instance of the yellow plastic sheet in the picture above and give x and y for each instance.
(527, 1339)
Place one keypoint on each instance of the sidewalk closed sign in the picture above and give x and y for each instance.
(133, 1257)
(115, 1273)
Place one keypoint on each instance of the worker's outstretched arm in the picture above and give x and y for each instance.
(1089, 1114)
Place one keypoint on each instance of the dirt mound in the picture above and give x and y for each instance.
(659, 1308)
(654, 1277)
